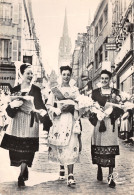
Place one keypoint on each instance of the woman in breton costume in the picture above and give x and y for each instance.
(22, 135)
(105, 136)
(64, 140)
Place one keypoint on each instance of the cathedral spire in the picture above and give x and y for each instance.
(65, 28)
(65, 45)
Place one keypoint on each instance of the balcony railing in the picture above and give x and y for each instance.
(5, 60)
(7, 21)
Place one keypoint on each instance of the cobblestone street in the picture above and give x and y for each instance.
(43, 176)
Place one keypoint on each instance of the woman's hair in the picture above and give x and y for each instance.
(106, 72)
(66, 68)
(23, 67)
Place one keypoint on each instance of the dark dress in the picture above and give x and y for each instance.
(105, 145)
(22, 135)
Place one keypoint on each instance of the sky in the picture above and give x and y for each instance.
(49, 20)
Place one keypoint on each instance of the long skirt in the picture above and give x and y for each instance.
(16, 158)
(104, 145)
(65, 155)
(21, 139)
(125, 125)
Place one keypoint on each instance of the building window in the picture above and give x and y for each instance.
(106, 14)
(1, 11)
(106, 55)
(5, 11)
(101, 23)
(4, 49)
(14, 50)
(106, 52)
(121, 86)
(126, 85)
(96, 31)
(15, 13)
(96, 60)
(100, 54)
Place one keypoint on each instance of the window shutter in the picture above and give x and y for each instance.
(14, 50)
(1, 11)
(15, 13)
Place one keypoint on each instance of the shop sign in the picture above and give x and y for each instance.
(110, 46)
(7, 77)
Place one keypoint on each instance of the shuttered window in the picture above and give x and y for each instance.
(5, 11)
(1, 11)
(15, 13)
(14, 50)
(4, 48)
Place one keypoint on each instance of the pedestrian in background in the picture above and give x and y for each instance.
(126, 125)
(22, 135)
(3, 114)
(45, 120)
(65, 136)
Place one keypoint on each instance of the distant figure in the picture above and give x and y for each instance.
(126, 125)
(46, 121)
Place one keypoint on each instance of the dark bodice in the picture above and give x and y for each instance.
(35, 92)
(103, 98)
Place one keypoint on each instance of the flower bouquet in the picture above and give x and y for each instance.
(90, 109)
(87, 105)
(112, 109)
(122, 101)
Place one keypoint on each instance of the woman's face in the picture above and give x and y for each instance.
(28, 75)
(105, 80)
(66, 75)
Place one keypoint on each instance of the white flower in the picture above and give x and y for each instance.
(84, 101)
(128, 105)
(125, 96)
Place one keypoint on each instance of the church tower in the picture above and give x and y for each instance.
(65, 46)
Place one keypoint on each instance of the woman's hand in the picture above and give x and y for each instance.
(57, 111)
(16, 103)
(42, 112)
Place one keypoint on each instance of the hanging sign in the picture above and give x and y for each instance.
(110, 46)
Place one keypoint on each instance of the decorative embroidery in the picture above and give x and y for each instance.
(105, 150)
(20, 144)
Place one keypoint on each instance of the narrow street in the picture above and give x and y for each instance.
(43, 178)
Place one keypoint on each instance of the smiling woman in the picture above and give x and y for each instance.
(64, 141)
(66, 72)
(105, 144)
(22, 135)
(27, 73)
